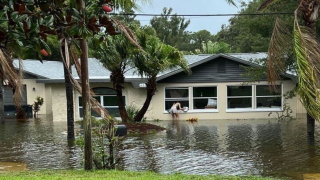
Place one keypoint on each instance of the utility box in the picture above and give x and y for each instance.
(121, 130)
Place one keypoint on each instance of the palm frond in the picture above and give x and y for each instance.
(127, 33)
(307, 50)
(13, 78)
(267, 4)
(279, 49)
(95, 105)
(231, 2)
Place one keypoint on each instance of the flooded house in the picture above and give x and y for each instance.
(216, 89)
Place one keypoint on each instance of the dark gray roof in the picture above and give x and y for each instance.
(52, 71)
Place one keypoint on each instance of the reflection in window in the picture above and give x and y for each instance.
(239, 96)
(268, 98)
(205, 98)
(173, 95)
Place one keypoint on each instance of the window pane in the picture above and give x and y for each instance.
(271, 102)
(111, 100)
(177, 93)
(265, 91)
(204, 104)
(96, 97)
(113, 111)
(80, 101)
(205, 92)
(93, 113)
(239, 90)
(168, 104)
(239, 103)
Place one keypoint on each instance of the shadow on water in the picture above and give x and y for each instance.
(228, 147)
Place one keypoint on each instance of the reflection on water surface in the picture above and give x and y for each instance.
(229, 147)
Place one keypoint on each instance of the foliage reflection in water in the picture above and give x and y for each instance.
(228, 147)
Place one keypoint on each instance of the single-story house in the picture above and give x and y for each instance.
(214, 90)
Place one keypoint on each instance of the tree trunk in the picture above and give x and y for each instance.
(70, 110)
(1, 102)
(117, 79)
(310, 129)
(122, 108)
(88, 163)
(151, 89)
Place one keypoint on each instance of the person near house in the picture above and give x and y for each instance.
(174, 110)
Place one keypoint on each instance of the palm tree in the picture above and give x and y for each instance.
(304, 42)
(115, 56)
(156, 57)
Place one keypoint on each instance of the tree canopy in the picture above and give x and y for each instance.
(252, 33)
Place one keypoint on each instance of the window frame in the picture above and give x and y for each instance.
(204, 110)
(190, 99)
(254, 100)
(175, 99)
(102, 103)
(267, 108)
(234, 97)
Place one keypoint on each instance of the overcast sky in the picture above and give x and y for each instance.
(212, 24)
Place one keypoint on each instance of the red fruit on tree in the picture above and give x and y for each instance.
(106, 8)
(44, 52)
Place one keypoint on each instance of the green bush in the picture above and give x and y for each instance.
(132, 111)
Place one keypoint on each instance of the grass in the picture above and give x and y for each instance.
(114, 174)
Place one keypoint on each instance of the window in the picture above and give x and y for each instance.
(205, 98)
(266, 98)
(239, 97)
(107, 98)
(173, 95)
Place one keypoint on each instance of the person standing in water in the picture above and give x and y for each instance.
(174, 110)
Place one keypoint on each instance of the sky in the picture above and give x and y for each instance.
(212, 24)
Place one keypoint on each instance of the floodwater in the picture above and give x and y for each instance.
(226, 147)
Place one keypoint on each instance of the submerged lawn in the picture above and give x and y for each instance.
(81, 174)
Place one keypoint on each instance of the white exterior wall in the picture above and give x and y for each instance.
(59, 104)
(136, 96)
(133, 96)
(221, 113)
(40, 90)
(48, 99)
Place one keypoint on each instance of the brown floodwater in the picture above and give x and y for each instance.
(227, 147)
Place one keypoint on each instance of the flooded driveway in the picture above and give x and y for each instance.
(227, 147)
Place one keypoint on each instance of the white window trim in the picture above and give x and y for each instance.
(204, 110)
(196, 111)
(278, 109)
(190, 99)
(175, 99)
(254, 99)
(102, 104)
(249, 109)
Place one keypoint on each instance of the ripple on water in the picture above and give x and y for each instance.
(228, 147)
